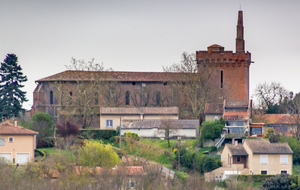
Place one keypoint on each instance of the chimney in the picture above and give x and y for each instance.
(15, 122)
(236, 143)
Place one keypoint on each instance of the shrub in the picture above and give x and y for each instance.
(94, 153)
(212, 129)
(281, 182)
(133, 136)
(105, 134)
(66, 129)
(43, 123)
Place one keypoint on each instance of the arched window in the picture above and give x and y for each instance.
(221, 79)
(157, 98)
(127, 98)
(51, 97)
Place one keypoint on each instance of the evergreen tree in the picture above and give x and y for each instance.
(11, 95)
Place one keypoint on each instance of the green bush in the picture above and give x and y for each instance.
(254, 178)
(212, 129)
(98, 134)
(281, 182)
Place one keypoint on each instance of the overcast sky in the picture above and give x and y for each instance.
(146, 35)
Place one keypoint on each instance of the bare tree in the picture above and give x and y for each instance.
(270, 94)
(169, 127)
(193, 85)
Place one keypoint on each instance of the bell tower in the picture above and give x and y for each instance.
(229, 70)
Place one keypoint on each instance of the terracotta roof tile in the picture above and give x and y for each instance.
(7, 128)
(275, 119)
(139, 110)
(236, 116)
(211, 108)
(263, 146)
(71, 75)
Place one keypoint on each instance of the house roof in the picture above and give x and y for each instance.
(263, 146)
(139, 110)
(275, 119)
(161, 124)
(237, 150)
(236, 116)
(212, 108)
(7, 128)
(71, 75)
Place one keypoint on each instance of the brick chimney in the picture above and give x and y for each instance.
(15, 122)
(240, 42)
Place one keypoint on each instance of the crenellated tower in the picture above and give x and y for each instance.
(230, 71)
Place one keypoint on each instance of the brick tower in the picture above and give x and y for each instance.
(230, 71)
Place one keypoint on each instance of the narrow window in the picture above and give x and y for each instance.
(283, 172)
(51, 97)
(238, 159)
(2, 141)
(133, 83)
(157, 98)
(70, 98)
(96, 98)
(221, 79)
(10, 139)
(109, 123)
(127, 99)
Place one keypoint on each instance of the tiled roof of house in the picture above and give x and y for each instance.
(7, 128)
(71, 75)
(139, 110)
(161, 124)
(237, 150)
(211, 108)
(236, 116)
(263, 146)
(274, 118)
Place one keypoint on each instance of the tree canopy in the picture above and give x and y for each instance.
(11, 95)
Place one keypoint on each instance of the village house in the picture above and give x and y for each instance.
(159, 128)
(254, 156)
(17, 144)
(111, 117)
(285, 124)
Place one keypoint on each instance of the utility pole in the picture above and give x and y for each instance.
(120, 140)
(179, 153)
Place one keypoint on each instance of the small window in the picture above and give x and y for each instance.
(283, 172)
(127, 98)
(238, 159)
(133, 83)
(283, 159)
(10, 139)
(240, 123)
(2, 141)
(70, 98)
(230, 123)
(263, 159)
(264, 172)
(157, 98)
(51, 97)
(221, 79)
(109, 123)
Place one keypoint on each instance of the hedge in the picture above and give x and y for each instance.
(254, 178)
(99, 134)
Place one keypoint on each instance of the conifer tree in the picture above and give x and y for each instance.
(11, 95)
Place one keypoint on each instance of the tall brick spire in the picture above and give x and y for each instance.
(240, 43)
